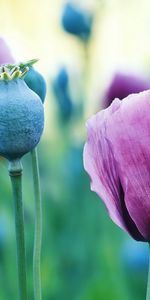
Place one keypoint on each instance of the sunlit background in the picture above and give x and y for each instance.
(84, 255)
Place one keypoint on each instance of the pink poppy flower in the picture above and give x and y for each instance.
(117, 158)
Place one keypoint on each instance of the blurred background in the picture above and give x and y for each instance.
(89, 52)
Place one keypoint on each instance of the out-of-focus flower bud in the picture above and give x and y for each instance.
(122, 85)
(135, 255)
(36, 82)
(76, 21)
(62, 95)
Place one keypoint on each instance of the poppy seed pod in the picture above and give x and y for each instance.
(117, 158)
(21, 117)
(36, 83)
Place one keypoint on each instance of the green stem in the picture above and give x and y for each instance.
(148, 281)
(15, 172)
(38, 228)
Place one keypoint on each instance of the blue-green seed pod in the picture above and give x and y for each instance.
(21, 118)
(36, 82)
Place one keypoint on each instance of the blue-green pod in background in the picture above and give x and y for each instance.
(60, 86)
(36, 82)
(21, 118)
(76, 21)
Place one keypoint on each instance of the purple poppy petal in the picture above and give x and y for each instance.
(100, 164)
(128, 132)
(5, 53)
